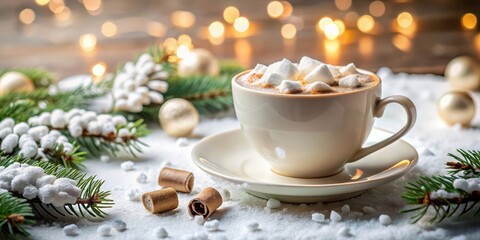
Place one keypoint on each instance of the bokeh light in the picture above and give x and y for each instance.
(170, 45)
(377, 8)
(288, 31)
(42, 2)
(343, 4)
(402, 42)
(92, 5)
(182, 19)
(87, 42)
(99, 69)
(365, 23)
(216, 29)
(156, 29)
(405, 19)
(26, 16)
(182, 51)
(275, 9)
(351, 19)
(56, 6)
(241, 24)
(469, 21)
(185, 40)
(340, 26)
(230, 14)
(287, 9)
(322, 23)
(64, 15)
(109, 29)
(331, 31)
(365, 46)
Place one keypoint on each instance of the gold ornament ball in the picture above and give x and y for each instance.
(463, 73)
(15, 82)
(178, 117)
(198, 61)
(456, 106)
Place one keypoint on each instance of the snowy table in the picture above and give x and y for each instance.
(432, 139)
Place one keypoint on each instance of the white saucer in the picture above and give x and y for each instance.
(228, 156)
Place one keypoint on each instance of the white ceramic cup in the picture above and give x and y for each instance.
(310, 136)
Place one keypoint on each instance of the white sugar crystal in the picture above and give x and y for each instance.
(20, 128)
(225, 193)
(271, 79)
(273, 203)
(9, 143)
(181, 142)
(119, 225)
(199, 220)
(142, 178)
(127, 166)
(335, 217)
(368, 210)
(349, 81)
(287, 69)
(318, 217)
(385, 220)
(306, 65)
(344, 232)
(318, 87)
(104, 230)
(345, 209)
(7, 122)
(94, 128)
(5, 132)
(119, 120)
(70, 230)
(159, 86)
(105, 158)
(124, 133)
(290, 86)
(156, 97)
(349, 69)
(38, 132)
(160, 232)
(133, 195)
(211, 226)
(252, 226)
(259, 69)
(320, 74)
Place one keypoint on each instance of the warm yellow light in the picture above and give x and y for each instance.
(340, 26)
(184, 39)
(56, 6)
(64, 15)
(401, 42)
(216, 41)
(288, 31)
(365, 46)
(182, 19)
(377, 8)
(170, 44)
(109, 29)
(343, 4)
(182, 51)
(275, 9)
(230, 14)
(365, 23)
(287, 9)
(216, 29)
(156, 29)
(469, 21)
(241, 24)
(243, 52)
(322, 23)
(26, 16)
(42, 2)
(477, 42)
(331, 31)
(404, 19)
(332, 51)
(92, 5)
(87, 42)
(99, 69)
(351, 19)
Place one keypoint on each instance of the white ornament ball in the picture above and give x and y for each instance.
(463, 73)
(457, 107)
(198, 61)
(15, 82)
(178, 117)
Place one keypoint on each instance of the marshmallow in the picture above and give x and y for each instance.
(181, 142)
(320, 74)
(211, 226)
(349, 81)
(70, 230)
(160, 232)
(271, 79)
(252, 227)
(349, 69)
(289, 86)
(273, 203)
(334, 70)
(318, 217)
(104, 230)
(335, 217)
(199, 220)
(259, 69)
(133, 195)
(306, 65)
(287, 69)
(127, 166)
(318, 87)
(142, 178)
(385, 220)
(344, 232)
(119, 225)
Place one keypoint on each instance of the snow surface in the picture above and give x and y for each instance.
(432, 138)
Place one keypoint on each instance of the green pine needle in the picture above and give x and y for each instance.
(15, 215)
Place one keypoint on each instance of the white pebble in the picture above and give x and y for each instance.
(349, 81)
(368, 210)
(127, 166)
(199, 220)
(252, 227)
(160, 232)
(344, 232)
(211, 226)
(273, 203)
(119, 225)
(70, 230)
(104, 230)
(318, 217)
(105, 158)
(335, 217)
(142, 178)
(345, 209)
(133, 195)
(385, 220)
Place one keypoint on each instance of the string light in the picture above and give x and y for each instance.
(99, 69)
(469, 21)
(182, 19)
(92, 5)
(377, 8)
(275, 9)
(87, 42)
(42, 2)
(156, 29)
(64, 15)
(26, 16)
(230, 14)
(331, 31)
(216, 29)
(241, 24)
(288, 31)
(401, 42)
(322, 23)
(365, 23)
(109, 29)
(404, 20)
(343, 4)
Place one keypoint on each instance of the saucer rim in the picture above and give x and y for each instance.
(196, 158)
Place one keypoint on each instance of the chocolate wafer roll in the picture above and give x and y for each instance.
(205, 203)
(180, 180)
(159, 201)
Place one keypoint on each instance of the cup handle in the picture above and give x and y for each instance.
(409, 107)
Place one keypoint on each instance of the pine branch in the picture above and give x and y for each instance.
(41, 78)
(15, 215)
(445, 194)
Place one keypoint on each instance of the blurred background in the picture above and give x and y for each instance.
(72, 36)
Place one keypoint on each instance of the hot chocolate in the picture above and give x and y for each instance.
(309, 76)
